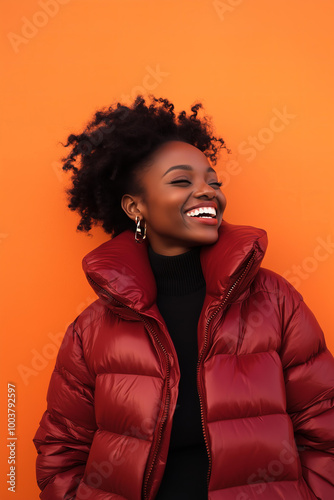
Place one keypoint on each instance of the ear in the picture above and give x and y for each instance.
(129, 204)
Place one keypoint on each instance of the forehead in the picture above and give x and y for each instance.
(175, 153)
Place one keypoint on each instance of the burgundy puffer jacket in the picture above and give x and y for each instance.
(265, 381)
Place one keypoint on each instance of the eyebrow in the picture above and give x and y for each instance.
(186, 167)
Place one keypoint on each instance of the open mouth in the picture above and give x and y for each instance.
(203, 213)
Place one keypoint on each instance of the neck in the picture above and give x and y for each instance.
(177, 274)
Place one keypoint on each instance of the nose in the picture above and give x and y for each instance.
(204, 189)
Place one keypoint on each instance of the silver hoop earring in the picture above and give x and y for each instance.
(139, 236)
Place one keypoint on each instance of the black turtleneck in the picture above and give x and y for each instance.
(180, 296)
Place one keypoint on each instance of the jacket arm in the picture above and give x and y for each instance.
(66, 430)
(309, 379)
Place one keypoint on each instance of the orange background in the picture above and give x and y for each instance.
(246, 61)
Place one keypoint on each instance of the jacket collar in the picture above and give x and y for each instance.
(119, 270)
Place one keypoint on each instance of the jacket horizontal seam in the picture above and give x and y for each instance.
(322, 351)
(278, 294)
(124, 435)
(73, 425)
(255, 288)
(304, 409)
(59, 369)
(239, 355)
(129, 373)
(252, 416)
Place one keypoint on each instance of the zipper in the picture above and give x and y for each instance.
(203, 352)
(164, 416)
(167, 400)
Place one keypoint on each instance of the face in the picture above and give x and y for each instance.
(182, 203)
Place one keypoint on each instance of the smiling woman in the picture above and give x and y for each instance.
(196, 373)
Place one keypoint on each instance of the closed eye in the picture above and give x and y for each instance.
(180, 180)
(218, 184)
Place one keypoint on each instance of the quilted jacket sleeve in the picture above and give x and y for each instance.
(309, 378)
(66, 430)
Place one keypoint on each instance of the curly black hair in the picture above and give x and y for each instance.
(118, 143)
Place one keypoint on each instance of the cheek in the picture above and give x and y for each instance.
(159, 212)
(166, 214)
(166, 205)
(163, 208)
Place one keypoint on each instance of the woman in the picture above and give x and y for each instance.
(196, 374)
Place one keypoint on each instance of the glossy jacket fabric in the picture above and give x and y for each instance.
(265, 381)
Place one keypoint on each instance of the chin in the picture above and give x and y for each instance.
(208, 239)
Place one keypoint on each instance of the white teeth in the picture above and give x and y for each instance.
(203, 210)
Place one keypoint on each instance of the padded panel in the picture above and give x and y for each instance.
(128, 404)
(247, 385)
(245, 450)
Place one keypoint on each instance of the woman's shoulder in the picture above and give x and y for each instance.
(92, 316)
(271, 282)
